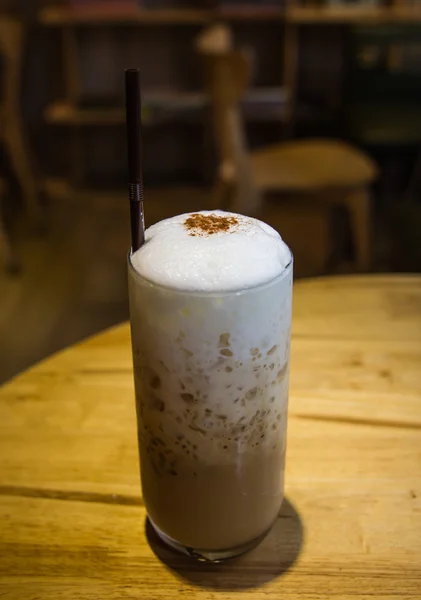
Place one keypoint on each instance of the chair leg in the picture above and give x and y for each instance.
(7, 255)
(358, 203)
(224, 187)
(220, 194)
(20, 161)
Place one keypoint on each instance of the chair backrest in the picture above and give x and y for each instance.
(216, 39)
(226, 78)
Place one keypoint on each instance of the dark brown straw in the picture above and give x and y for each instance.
(134, 155)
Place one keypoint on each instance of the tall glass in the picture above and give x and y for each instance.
(211, 377)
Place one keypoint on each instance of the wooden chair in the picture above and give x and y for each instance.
(326, 172)
(12, 134)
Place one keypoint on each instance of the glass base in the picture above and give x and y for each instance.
(214, 556)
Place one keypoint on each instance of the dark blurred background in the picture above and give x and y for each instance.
(316, 129)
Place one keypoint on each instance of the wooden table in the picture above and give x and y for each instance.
(72, 524)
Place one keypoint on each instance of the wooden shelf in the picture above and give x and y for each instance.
(159, 106)
(265, 105)
(58, 16)
(307, 15)
(61, 16)
(160, 199)
(64, 113)
(259, 104)
(250, 13)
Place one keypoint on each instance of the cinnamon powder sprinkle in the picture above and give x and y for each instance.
(198, 224)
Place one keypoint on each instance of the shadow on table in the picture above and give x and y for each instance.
(272, 558)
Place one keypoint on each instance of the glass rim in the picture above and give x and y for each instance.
(216, 293)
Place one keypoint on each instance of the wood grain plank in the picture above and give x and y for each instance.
(359, 309)
(99, 550)
(74, 409)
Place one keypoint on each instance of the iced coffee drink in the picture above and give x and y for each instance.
(210, 309)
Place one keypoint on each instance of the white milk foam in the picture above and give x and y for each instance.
(248, 254)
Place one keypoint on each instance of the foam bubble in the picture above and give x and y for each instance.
(248, 253)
